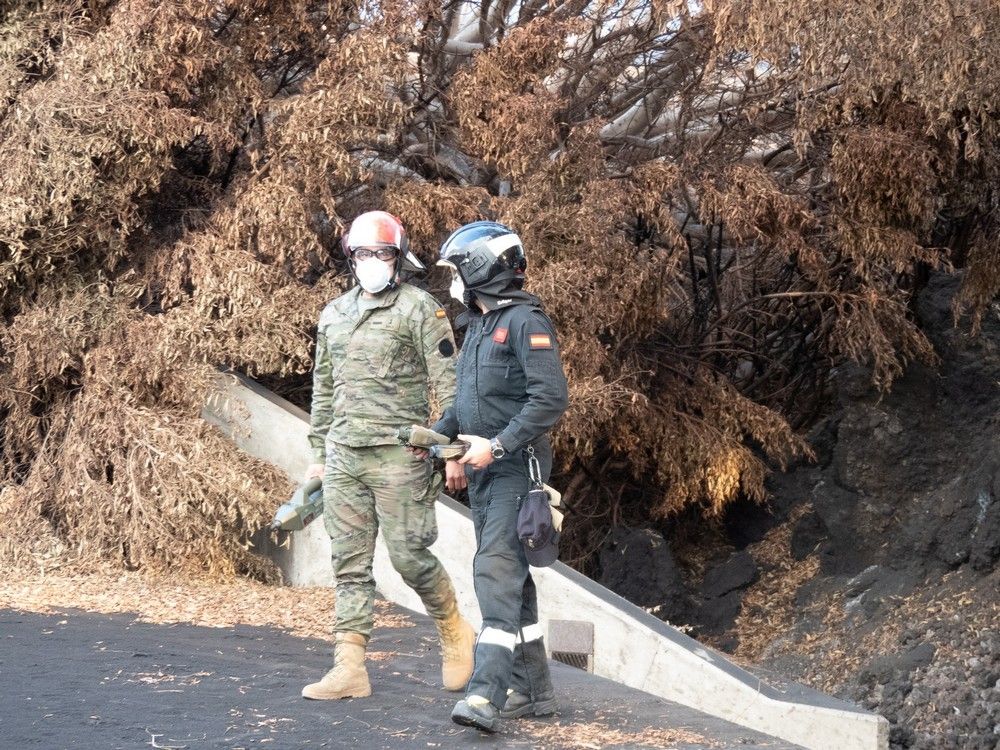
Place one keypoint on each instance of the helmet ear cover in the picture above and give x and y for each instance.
(475, 268)
(480, 265)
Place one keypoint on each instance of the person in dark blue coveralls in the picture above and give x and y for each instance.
(511, 391)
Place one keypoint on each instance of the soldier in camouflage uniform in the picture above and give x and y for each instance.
(380, 349)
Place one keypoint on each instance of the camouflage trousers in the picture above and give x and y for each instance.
(382, 485)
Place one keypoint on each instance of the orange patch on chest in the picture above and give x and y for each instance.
(500, 335)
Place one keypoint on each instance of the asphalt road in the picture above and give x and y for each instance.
(109, 682)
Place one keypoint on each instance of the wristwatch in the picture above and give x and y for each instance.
(497, 449)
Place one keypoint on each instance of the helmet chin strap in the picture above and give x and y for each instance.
(397, 270)
(406, 261)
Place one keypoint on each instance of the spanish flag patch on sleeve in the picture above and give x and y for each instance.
(539, 341)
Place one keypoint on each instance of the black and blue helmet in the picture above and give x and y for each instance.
(482, 252)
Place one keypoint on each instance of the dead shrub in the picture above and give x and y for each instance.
(720, 204)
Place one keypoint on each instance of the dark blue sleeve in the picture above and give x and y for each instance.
(448, 424)
(533, 340)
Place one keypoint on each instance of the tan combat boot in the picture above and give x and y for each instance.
(458, 640)
(348, 678)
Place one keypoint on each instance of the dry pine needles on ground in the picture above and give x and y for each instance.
(198, 600)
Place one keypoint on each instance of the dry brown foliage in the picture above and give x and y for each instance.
(769, 607)
(199, 600)
(719, 206)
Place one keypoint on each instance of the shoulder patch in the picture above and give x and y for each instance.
(539, 341)
(440, 313)
(500, 335)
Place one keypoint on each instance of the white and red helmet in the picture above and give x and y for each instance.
(380, 229)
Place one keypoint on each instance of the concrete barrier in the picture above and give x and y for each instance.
(630, 645)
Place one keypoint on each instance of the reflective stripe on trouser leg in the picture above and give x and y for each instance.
(529, 633)
(495, 637)
(499, 572)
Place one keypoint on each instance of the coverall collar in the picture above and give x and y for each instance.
(496, 305)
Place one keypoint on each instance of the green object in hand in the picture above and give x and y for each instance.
(450, 451)
(305, 505)
(438, 445)
(421, 437)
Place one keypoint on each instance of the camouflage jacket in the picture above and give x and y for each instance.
(377, 363)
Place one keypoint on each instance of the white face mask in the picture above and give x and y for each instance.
(373, 275)
(457, 288)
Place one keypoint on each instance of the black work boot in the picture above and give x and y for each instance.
(531, 692)
(476, 711)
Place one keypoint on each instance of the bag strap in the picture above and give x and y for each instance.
(534, 468)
